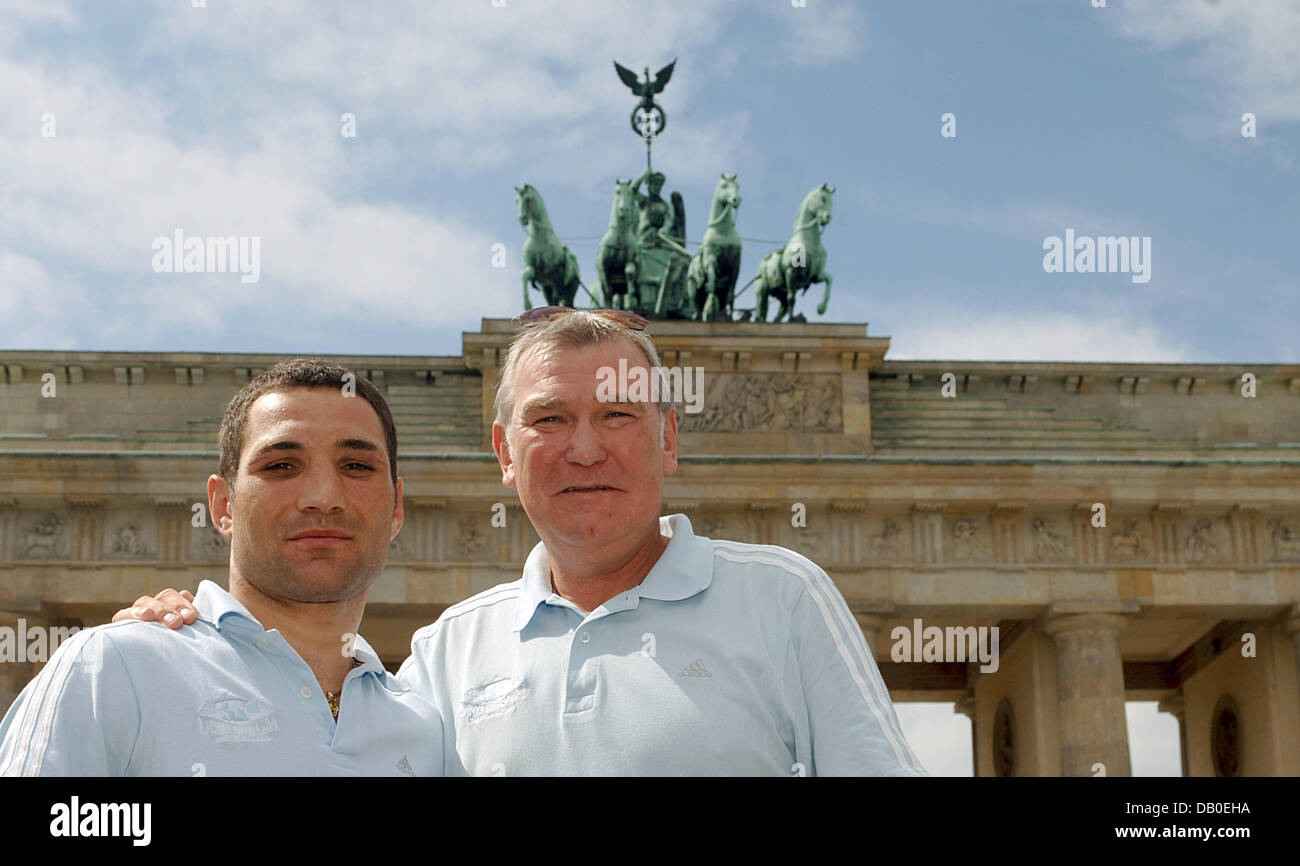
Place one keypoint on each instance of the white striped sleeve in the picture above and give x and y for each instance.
(853, 727)
(78, 717)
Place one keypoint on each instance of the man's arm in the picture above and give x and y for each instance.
(78, 717)
(852, 727)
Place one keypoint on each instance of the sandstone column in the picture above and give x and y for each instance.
(1291, 625)
(966, 706)
(1175, 704)
(1090, 691)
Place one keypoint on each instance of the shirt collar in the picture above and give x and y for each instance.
(215, 605)
(684, 569)
(364, 653)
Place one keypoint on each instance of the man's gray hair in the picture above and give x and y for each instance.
(576, 330)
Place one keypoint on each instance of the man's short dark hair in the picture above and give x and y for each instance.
(286, 375)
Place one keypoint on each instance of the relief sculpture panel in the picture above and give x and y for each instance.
(767, 403)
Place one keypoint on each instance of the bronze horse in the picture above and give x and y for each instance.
(548, 264)
(618, 257)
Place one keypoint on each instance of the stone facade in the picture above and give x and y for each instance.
(1133, 530)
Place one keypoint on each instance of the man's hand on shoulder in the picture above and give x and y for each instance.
(169, 607)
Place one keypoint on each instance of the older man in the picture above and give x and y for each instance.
(271, 679)
(631, 646)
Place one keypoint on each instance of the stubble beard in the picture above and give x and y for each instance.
(277, 575)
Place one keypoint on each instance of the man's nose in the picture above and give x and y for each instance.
(585, 446)
(322, 490)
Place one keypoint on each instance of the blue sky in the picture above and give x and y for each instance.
(225, 120)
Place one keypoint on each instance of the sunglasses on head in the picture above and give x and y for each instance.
(623, 317)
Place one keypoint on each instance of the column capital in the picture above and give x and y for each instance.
(965, 704)
(1068, 616)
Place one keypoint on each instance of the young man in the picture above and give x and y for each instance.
(272, 678)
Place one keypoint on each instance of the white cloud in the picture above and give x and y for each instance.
(258, 153)
(30, 303)
(1030, 337)
(91, 200)
(466, 67)
(484, 87)
(36, 11)
(822, 32)
(1245, 53)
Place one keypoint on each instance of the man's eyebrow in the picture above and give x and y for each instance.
(290, 445)
(279, 445)
(541, 404)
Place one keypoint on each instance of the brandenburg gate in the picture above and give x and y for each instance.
(1132, 530)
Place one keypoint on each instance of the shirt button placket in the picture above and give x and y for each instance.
(582, 683)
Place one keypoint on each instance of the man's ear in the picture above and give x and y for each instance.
(670, 441)
(399, 516)
(502, 448)
(223, 518)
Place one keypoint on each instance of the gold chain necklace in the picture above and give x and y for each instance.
(333, 699)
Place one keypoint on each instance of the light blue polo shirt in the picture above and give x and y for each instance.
(223, 697)
(727, 659)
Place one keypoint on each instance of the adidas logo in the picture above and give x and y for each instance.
(404, 766)
(696, 668)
